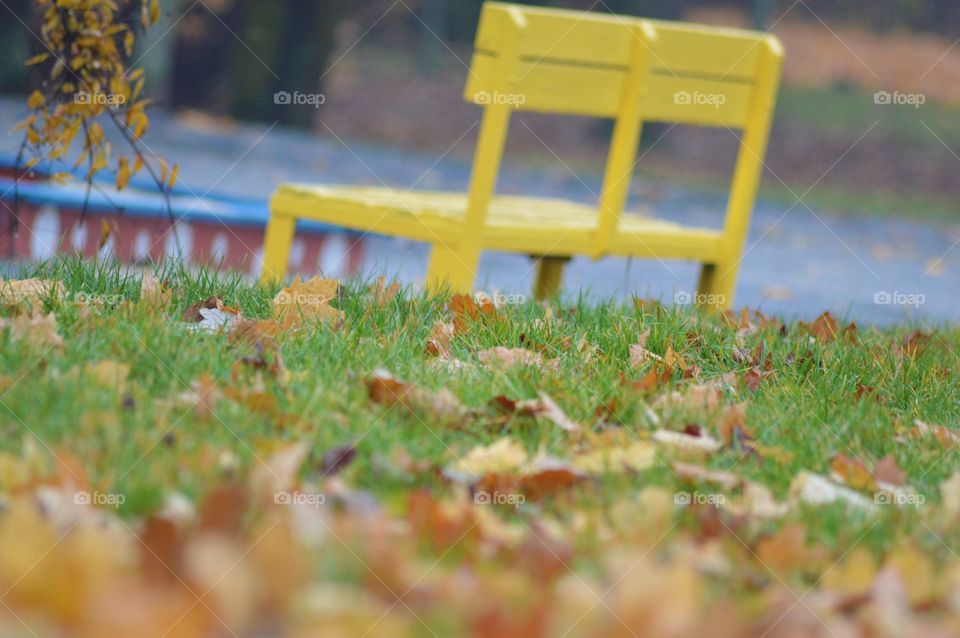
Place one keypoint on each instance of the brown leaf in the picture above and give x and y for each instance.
(441, 406)
(153, 293)
(853, 472)
(30, 291)
(824, 328)
(887, 471)
(192, 314)
(501, 357)
(945, 436)
(440, 339)
(308, 300)
(336, 459)
(36, 329)
(466, 312)
(545, 407)
(382, 295)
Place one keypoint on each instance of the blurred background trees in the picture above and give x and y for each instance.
(229, 57)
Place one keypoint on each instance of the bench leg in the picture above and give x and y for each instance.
(716, 286)
(452, 268)
(549, 276)
(276, 247)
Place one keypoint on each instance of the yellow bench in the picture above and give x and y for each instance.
(557, 61)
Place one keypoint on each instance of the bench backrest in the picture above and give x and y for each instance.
(629, 69)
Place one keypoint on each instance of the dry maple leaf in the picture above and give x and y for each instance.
(682, 442)
(504, 456)
(852, 472)
(153, 293)
(633, 457)
(382, 294)
(887, 471)
(945, 436)
(107, 373)
(308, 300)
(639, 353)
(466, 311)
(545, 407)
(29, 291)
(824, 327)
(502, 357)
(441, 406)
(440, 339)
(36, 329)
(814, 489)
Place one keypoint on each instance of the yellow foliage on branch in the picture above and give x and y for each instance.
(89, 82)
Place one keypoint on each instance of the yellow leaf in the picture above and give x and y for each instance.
(35, 100)
(123, 173)
(308, 300)
(37, 59)
(173, 177)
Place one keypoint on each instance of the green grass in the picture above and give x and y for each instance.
(144, 439)
(140, 443)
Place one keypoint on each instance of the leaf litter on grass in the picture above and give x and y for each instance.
(526, 515)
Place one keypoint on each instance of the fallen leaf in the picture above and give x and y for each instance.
(500, 357)
(687, 443)
(336, 459)
(814, 489)
(212, 320)
(382, 295)
(639, 353)
(504, 456)
(36, 329)
(888, 471)
(107, 373)
(945, 436)
(440, 406)
(466, 311)
(634, 457)
(439, 339)
(852, 472)
(545, 407)
(698, 474)
(29, 291)
(277, 473)
(308, 300)
(824, 328)
(153, 293)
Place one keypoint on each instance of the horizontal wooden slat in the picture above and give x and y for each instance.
(599, 39)
(595, 91)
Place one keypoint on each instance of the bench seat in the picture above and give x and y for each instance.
(541, 226)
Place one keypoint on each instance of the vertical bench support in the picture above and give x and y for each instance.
(453, 265)
(626, 139)
(276, 244)
(718, 280)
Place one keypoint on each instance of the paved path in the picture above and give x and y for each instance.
(797, 263)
